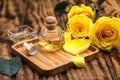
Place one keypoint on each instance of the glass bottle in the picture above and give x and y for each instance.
(51, 33)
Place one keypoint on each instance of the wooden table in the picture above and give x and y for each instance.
(14, 12)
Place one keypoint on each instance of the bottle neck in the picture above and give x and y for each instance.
(50, 26)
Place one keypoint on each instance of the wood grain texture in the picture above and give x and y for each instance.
(50, 63)
(32, 12)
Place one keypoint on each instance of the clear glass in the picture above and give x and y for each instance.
(52, 37)
(23, 32)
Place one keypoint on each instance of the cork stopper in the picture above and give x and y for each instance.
(50, 22)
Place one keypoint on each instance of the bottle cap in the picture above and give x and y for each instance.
(50, 22)
(31, 48)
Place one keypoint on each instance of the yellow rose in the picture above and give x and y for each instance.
(75, 10)
(86, 10)
(79, 25)
(105, 33)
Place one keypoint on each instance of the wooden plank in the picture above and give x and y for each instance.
(103, 67)
(110, 66)
(115, 58)
(50, 63)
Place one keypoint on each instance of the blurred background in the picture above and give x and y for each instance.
(33, 12)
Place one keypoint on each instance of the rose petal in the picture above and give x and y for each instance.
(75, 46)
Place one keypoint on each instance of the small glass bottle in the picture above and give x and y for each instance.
(51, 32)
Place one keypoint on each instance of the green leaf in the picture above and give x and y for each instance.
(60, 8)
(10, 66)
(98, 10)
(102, 7)
(100, 2)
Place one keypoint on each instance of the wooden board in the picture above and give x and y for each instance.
(50, 63)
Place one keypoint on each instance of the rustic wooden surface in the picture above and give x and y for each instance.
(105, 67)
